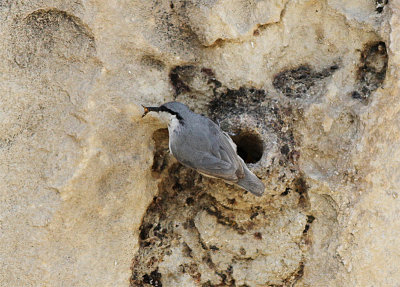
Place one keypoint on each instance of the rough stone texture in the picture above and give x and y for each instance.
(230, 20)
(90, 196)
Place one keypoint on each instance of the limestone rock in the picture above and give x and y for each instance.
(90, 195)
(229, 20)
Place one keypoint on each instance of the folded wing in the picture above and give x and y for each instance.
(211, 152)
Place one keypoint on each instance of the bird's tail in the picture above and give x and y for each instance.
(251, 182)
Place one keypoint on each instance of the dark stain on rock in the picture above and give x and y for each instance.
(185, 80)
(356, 95)
(178, 76)
(144, 231)
(258, 235)
(371, 72)
(296, 83)
(295, 276)
(160, 138)
(214, 248)
(152, 62)
(285, 149)
(187, 251)
(209, 72)
(224, 220)
(310, 219)
(300, 186)
(242, 100)
(254, 215)
(286, 192)
(189, 201)
(231, 201)
(153, 279)
(380, 4)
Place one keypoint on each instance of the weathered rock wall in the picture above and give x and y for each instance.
(90, 196)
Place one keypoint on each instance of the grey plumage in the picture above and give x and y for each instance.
(199, 143)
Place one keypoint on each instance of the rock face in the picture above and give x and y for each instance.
(309, 91)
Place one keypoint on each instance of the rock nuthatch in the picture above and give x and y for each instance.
(199, 143)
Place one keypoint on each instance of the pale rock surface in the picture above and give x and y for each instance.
(230, 20)
(89, 195)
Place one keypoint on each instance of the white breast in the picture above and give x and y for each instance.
(173, 127)
(173, 124)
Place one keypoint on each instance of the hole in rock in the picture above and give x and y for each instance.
(249, 146)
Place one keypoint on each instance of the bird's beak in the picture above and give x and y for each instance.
(150, 109)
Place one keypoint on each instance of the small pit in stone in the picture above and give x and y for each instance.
(249, 146)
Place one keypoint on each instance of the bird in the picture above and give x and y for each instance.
(199, 143)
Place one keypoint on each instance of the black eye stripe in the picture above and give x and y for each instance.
(165, 109)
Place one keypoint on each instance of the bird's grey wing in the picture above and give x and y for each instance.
(230, 141)
(210, 165)
(213, 154)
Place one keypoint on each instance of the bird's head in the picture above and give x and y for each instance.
(172, 109)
